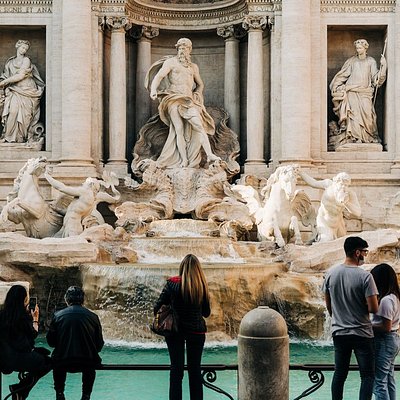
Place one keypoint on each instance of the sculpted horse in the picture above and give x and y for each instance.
(26, 205)
(277, 214)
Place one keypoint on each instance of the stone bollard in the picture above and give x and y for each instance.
(263, 356)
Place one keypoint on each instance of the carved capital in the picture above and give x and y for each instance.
(148, 32)
(231, 32)
(118, 23)
(101, 23)
(256, 22)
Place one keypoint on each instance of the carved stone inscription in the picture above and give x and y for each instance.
(25, 9)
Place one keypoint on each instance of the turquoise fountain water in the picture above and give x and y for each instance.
(153, 385)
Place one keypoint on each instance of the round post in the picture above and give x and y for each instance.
(263, 356)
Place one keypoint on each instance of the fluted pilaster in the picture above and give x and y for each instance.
(76, 83)
(255, 93)
(232, 35)
(296, 81)
(117, 102)
(144, 35)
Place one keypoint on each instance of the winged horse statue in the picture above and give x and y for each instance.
(41, 218)
(26, 205)
(278, 211)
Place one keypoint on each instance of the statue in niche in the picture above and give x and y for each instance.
(22, 89)
(278, 212)
(337, 201)
(176, 81)
(81, 213)
(353, 91)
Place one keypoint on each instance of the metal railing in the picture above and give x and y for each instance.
(209, 374)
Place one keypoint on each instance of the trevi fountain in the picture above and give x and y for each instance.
(256, 134)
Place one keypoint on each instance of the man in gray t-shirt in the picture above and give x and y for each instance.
(350, 295)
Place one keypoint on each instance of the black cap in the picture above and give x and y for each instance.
(74, 295)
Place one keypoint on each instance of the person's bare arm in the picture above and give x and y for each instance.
(328, 303)
(161, 74)
(385, 326)
(372, 302)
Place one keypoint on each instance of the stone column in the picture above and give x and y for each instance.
(144, 35)
(76, 90)
(255, 163)
(232, 34)
(117, 102)
(394, 66)
(276, 92)
(98, 90)
(296, 81)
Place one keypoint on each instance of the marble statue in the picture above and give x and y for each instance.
(216, 202)
(176, 81)
(337, 201)
(23, 87)
(277, 215)
(83, 205)
(26, 205)
(148, 201)
(353, 91)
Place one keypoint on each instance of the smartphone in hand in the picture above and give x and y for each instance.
(32, 303)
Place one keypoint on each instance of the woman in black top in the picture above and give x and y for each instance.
(18, 330)
(188, 294)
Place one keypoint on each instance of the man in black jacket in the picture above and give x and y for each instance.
(76, 335)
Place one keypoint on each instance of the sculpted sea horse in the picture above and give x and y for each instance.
(277, 215)
(26, 205)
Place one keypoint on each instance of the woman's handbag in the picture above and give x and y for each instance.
(165, 321)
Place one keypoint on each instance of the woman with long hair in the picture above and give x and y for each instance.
(189, 297)
(18, 330)
(386, 324)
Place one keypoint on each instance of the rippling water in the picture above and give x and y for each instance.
(146, 385)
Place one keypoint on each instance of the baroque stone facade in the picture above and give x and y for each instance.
(271, 79)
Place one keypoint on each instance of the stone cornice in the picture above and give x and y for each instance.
(193, 17)
(358, 6)
(189, 16)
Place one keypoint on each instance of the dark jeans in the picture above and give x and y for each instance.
(35, 364)
(60, 376)
(194, 350)
(364, 351)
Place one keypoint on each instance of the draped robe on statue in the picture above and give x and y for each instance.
(22, 103)
(352, 91)
(188, 107)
